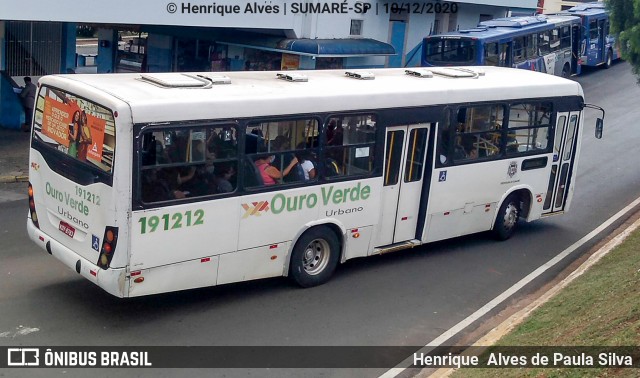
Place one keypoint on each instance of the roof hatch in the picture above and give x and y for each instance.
(181, 80)
(361, 75)
(294, 77)
(419, 73)
(457, 73)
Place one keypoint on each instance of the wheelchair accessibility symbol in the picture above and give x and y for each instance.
(443, 176)
(95, 243)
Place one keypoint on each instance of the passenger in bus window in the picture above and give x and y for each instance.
(155, 186)
(468, 144)
(472, 153)
(335, 134)
(308, 168)
(331, 128)
(197, 181)
(185, 175)
(223, 174)
(282, 160)
(269, 173)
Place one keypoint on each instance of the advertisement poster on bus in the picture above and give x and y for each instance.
(55, 121)
(96, 127)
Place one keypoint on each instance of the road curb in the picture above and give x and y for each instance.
(516, 319)
(8, 179)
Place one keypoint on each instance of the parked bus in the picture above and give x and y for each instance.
(149, 183)
(540, 43)
(597, 46)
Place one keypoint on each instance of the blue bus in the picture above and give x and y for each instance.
(545, 43)
(597, 46)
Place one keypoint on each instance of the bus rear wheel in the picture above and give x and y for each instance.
(566, 71)
(315, 257)
(507, 218)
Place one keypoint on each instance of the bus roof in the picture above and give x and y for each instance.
(261, 93)
(511, 26)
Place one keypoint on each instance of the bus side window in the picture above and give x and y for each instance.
(554, 43)
(350, 145)
(505, 55)
(285, 150)
(491, 54)
(543, 43)
(518, 49)
(478, 133)
(532, 46)
(529, 128)
(593, 31)
(187, 163)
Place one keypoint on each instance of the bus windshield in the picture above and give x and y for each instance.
(75, 127)
(446, 51)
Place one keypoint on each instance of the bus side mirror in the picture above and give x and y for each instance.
(599, 127)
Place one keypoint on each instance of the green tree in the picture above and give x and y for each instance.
(625, 21)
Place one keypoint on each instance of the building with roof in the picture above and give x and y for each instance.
(39, 37)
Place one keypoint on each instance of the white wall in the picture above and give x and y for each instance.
(552, 6)
(470, 17)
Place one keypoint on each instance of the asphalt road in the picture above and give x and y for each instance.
(407, 298)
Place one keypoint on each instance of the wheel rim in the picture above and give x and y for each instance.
(609, 59)
(316, 256)
(510, 216)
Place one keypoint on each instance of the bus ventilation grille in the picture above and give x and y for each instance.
(360, 75)
(419, 73)
(293, 77)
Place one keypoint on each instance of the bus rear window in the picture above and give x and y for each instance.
(440, 51)
(76, 127)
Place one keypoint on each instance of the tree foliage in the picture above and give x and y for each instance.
(625, 21)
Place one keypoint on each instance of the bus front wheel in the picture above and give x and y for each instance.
(507, 218)
(315, 257)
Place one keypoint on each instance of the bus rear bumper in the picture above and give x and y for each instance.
(111, 280)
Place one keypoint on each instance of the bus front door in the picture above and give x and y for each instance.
(404, 166)
(602, 53)
(563, 160)
(575, 48)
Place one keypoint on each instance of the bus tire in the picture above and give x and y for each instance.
(507, 218)
(609, 61)
(315, 257)
(566, 71)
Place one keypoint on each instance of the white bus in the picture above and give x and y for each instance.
(150, 183)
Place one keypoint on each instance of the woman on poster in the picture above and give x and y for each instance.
(74, 132)
(85, 137)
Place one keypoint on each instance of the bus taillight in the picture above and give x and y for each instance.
(108, 247)
(32, 207)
